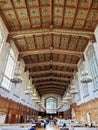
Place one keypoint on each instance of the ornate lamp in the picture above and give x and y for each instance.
(73, 90)
(28, 92)
(85, 77)
(35, 98)
(68, 97)
(64, 101)
(17, 75)
(38, 101)
(34, 92)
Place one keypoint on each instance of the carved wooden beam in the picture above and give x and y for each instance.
(50, 63)
(50, 85)
(51, 91)
(50, 77)
(54, 85)
(50, 82)
(21, 33)
(50, 88)
(53, 51)
(50, 71)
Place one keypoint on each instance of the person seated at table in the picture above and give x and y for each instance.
(43, 123)
(32, 127)
(93, 124)
(64, 125)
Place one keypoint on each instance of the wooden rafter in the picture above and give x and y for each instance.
(75, 11)
(51, 36)
(51, 77)
(88, 12)
(20, 33)
(63, 12)
(50, 63)
(47, 51)
(28, 13)
(53, 71)
(51, 91)
(51, 11)
(51, 82)
(16, 14)
(40, 12)
(53, 86)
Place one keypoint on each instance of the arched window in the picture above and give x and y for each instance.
(51, 104)
(8, 70)
(93, 65)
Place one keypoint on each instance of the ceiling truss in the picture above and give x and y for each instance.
(51, 36)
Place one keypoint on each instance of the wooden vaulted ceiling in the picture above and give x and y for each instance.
(51, 36)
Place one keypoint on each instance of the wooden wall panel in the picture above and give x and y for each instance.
(16, 112)
(67, 114)
(89, 107)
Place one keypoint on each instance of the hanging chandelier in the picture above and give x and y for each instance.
(73, 90)
(17, 75)
(35, 98)
(85, 77)
(34, 92)
(68, 97)
(64, 101)
(17, 78)
(38, 101)
(29, 91)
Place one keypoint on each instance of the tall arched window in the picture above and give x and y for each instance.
(8, 70)
(93, 65)
(51, 104)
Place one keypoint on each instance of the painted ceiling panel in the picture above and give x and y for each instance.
(51, 36)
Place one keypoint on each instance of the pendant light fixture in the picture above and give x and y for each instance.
(73, 90)
(85, 77)
(68, 97)
(17, 75)
(29, 91)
